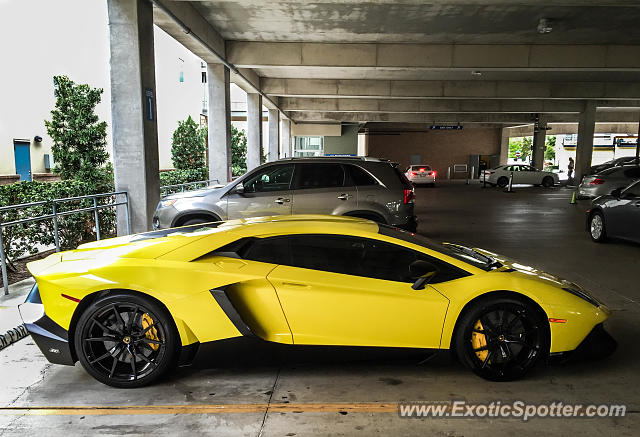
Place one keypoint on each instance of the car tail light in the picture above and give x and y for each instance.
(597, 181)
(408, 196)
(413, 173)
(433, 173)
(422, 170)
(488, 172)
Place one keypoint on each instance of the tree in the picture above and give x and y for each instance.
(550, 149)
(238, 152)
(523, 145)
(189, 146)
(79, 137)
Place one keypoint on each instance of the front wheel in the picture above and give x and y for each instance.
(501, 339)
(126, 340)
(596, 227)
(547, 182)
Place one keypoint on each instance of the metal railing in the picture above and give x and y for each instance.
(170, 189)
(55, 214)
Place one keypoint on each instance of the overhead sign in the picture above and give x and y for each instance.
(445, 127)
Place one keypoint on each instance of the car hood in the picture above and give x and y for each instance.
(198, 193)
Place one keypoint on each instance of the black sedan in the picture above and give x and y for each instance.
(616, 215)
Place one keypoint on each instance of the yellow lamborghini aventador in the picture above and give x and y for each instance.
(130, 308)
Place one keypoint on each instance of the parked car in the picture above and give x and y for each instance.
(612, 163)
(607, 180)
(368, 188)
(522, 174)
(421, 174)
(616, 215)
(131, 308)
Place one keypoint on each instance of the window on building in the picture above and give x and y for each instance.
(308, 146)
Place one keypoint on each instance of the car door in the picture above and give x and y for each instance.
(320, 188)
(266, 192)
(622, 215)
(353, 291)
(529, 175)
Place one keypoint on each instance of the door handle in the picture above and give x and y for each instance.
(345, 196)
(281, 200)
(295, 284)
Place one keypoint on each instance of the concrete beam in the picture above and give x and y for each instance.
(521, 57)
(133, 109)
(611, 117)
(285, 139)
(406, 89)
(196, 24)
(528, 106)
(274, 135)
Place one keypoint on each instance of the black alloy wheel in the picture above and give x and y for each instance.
(501, 339)
(126, 341)
(502, 181)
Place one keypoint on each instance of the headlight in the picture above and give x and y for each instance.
(168, 202)
(582, 295)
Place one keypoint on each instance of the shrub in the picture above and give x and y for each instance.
(188, 146)
(238, 152)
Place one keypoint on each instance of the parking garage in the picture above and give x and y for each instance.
(445, 85)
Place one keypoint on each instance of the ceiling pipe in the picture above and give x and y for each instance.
(217, 55)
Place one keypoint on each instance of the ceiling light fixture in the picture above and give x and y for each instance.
(544, 26)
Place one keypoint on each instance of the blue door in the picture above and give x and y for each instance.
(22, 153)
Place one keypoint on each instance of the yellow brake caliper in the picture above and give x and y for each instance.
(151, 334)
(479, 340)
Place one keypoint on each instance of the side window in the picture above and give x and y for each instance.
(633, 191)
(363, 257)
(632, 172)
(359, 177)
(271, 178)
(274, 250)
(319, 175)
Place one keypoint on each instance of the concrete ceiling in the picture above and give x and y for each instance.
(306, 54)
(442, 22)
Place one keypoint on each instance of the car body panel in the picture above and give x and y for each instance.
(522, 174)
(611, 178)
(621, 213)
(285, 304)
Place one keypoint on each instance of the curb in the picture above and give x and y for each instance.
(12, 336)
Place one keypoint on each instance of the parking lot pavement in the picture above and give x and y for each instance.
(334, 394)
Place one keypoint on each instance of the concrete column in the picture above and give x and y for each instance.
(504, 146)
(219, 122)
(254, 130)
(584, 149)
(539, 139)
(274, 134)
(133, 110)
(285, 138)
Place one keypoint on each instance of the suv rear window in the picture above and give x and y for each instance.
(358, 176)
(403, 179)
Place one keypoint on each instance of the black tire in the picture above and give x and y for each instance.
(502, 181)
(196, 221)
(501, 338)
(121, 326)
(597, 228)
(547, 182)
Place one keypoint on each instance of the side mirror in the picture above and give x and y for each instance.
(424, 271)
(616, 193)
(239, 189)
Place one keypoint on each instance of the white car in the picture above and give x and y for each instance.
(522, 174)
(421, 174)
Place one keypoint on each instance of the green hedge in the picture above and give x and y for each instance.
(73, 229)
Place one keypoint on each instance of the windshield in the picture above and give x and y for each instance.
(456, 251)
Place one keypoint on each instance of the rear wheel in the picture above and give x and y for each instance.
(596, 227)
(126, 340)
(196, 221)
(502, 181)
(501, 339)
(547, 182)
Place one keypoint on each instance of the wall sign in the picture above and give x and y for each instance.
(445, 127)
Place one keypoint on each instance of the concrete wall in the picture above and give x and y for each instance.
(439, 149)
(346, 144)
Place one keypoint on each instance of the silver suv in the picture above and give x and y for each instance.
(360, 187)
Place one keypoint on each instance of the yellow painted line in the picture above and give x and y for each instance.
(200, 409)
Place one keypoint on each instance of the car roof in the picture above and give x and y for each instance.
(333, 158)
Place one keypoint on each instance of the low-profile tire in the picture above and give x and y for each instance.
(597, 228)
(502, 181)
(547, 182)
(501, 338)
(196, 221)
(126, 340)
